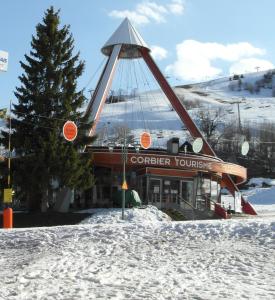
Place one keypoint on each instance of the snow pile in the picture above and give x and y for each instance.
(260, 181)
(136, 215)
(261, 191)
(158, 260)
(267, 210)
(261, 195)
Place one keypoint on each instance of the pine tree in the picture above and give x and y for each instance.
(47, 97)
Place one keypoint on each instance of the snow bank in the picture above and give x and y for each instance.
(261, 191)
(137, 215)
(215, 259)
(261, 195)
(265, 209)
(259, 181)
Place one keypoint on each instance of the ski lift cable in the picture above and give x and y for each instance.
(96, 71)
(126, 96)
(251, 142)
(140, 102)
(147, 103)
(108, 110)
(155, 87)
(150, 98)
(132, 95)
(137, 115)
(49, 118)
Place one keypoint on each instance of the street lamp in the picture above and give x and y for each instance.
(124, 186)
(124, 153)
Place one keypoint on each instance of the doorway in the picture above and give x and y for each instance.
(171, 191)
(187, 193)
(155, 192)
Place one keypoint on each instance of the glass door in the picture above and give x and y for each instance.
(187, 193)
(155, 192)
(171, 191)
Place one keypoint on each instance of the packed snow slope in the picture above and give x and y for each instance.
(150, 110)
(140, 259)
(260, 192)
(254, 92)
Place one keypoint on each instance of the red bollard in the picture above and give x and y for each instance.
(7, 218)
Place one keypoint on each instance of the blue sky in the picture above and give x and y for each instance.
(192, 40)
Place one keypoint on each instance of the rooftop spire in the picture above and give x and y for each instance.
(127, 36)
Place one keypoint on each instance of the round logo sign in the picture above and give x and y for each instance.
(245, 148)
(70, 131)
(145, 140)
(197, 145)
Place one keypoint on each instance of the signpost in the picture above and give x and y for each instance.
(4, 56)
(70, 131)
(8, 212)
(7, 195)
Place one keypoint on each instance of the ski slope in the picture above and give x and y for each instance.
(224, 93)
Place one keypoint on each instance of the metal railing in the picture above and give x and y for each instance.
(189, 204)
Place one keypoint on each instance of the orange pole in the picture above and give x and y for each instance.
(7, 218)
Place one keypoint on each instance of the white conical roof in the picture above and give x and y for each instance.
(130, 39)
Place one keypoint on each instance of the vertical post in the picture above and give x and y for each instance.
(9, 149)
(8, 213)
(239, 117)
(123, 189)
(7, 218)
(124, 184)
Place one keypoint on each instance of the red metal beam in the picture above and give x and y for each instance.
(177, 105)
(191, 126)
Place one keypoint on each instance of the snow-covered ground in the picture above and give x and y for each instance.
(143, 257)
(260, 193)
(148, 256)
(223, 93)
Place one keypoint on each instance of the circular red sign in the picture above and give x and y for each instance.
(145, 140)
(70, 131)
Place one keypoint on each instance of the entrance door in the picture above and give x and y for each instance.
(155, 192)
(171, 191)
(187, 193)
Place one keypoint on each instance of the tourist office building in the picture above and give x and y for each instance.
(162, 176)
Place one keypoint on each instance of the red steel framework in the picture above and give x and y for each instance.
(103, 88)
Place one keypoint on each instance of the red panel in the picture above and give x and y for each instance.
(220, 211)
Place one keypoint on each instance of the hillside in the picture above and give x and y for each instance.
(253, 91)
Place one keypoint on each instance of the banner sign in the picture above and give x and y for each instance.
(4, 57)
(7, 195)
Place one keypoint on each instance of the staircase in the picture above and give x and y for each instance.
(178, 213)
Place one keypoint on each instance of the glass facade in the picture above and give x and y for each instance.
(200, 192)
